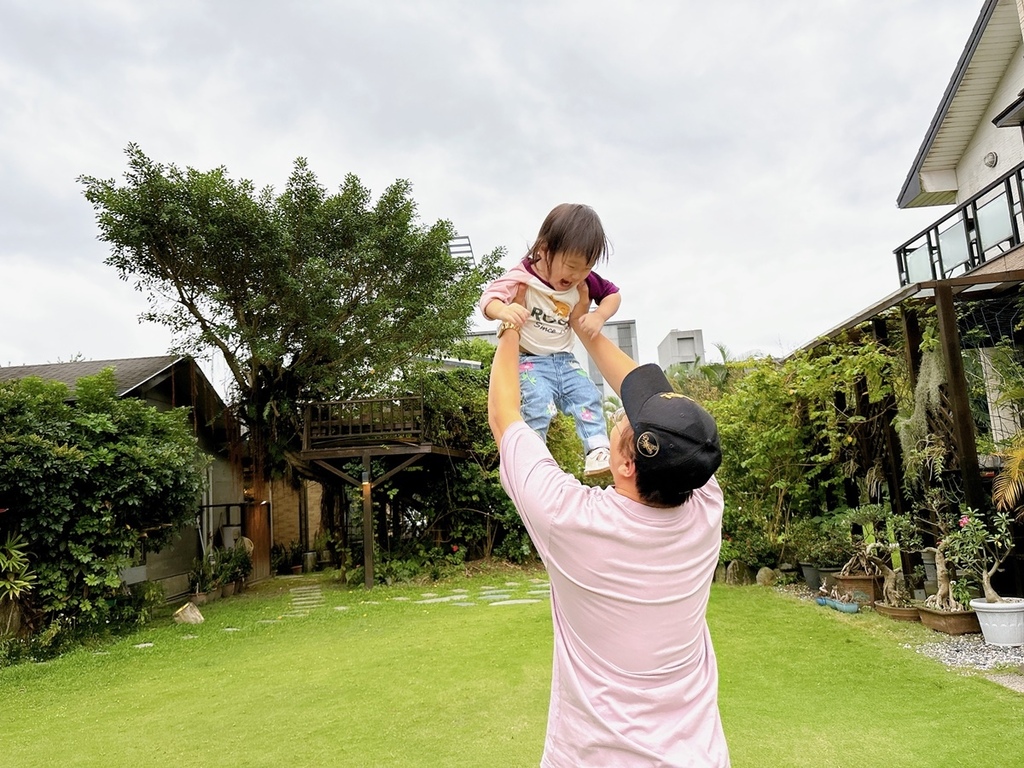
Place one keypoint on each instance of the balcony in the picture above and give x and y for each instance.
(363, 422)
(976, 231)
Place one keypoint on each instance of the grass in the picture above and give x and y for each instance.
(390, 682)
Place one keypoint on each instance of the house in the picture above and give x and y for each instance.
(222, 514)
(968, 265)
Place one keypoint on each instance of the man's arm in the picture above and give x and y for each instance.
(613, 363)
(503, 390)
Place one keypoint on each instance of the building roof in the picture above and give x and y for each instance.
(989, 50)
(129, 373)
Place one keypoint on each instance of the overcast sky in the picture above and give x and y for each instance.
(744, 156)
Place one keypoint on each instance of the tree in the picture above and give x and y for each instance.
(306, 295)
(84, 486)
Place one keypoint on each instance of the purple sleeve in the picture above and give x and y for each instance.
(599, 287)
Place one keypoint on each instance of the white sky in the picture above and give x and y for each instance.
(744, 156)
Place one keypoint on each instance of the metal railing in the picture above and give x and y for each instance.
(363, 421)
(985, 226)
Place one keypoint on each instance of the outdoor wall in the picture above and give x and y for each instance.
(971, 173)
(285, 502)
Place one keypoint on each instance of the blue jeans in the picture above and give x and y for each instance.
(552, 383)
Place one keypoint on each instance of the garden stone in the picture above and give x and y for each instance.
(766, 577)
(720, 573)
(738, 574)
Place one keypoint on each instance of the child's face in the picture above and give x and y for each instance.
(565, 270)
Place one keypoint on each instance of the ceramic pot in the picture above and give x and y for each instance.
(896, 613)
(1001, 623)
(949, 622)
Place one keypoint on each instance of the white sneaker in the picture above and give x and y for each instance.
(597, 462)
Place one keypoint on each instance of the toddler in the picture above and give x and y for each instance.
(548, 290)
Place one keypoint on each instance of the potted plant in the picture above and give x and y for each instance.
(894, 601)
(947, 610)
(241, 563)
(203, 582)
(979, 546)
(226, 571)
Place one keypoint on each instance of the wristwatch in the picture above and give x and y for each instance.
(505, 326)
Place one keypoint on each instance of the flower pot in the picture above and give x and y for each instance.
(199, 598)
(949, 622)
(227, 589)
(897, 613)
(842, 607)
(811, 577)
(864, 589)
(1001, 623)
(296, 569)
(821, 600)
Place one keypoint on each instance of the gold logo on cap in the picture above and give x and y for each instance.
(670, 395)
(647, 444)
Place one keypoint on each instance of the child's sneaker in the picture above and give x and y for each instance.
(597, 462)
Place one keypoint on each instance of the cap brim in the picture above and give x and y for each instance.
(639, 386)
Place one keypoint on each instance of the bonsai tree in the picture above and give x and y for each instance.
(979, 547)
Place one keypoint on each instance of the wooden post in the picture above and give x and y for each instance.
(367, 524)
(963, 422)
(911, 343)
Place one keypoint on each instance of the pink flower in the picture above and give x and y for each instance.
(964, 521)
(455, 547)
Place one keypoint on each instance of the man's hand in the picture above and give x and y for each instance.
(590, 324)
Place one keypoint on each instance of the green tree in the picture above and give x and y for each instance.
(85, 485)
(306, 295)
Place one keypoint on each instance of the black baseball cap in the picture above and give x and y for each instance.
(671, 432)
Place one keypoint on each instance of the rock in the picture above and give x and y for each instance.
(720, 573)
(766, 577)
(188, 614)
(738, 574)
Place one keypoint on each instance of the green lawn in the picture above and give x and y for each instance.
(378, 679)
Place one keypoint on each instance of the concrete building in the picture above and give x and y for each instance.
(681, 347)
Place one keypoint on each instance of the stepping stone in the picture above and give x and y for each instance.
(439, 600)
(511, 583)
(189, 637)
(268, 621)
(495, 596)
(400, 599)
(294, 615)
(460, 591)
(465, 605)
(341, 607)
(144, 645)
(515, 602)
(429, 594)
(539, 592)
(232, 629)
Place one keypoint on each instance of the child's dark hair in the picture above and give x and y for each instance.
(571, 228)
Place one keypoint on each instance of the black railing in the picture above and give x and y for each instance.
(363, 421)
(987, 225)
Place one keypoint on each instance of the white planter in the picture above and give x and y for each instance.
(1001, 623)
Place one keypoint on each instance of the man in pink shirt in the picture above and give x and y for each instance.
(634, 677)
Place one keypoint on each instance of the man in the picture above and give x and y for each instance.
(634, 677)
